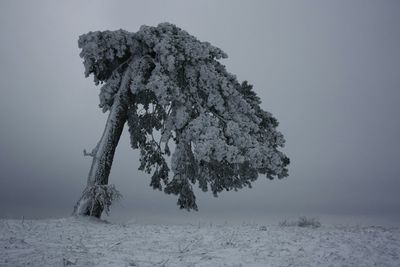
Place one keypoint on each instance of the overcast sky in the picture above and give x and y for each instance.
(328, 70)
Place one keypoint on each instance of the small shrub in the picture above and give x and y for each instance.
(103, 195)
(263, 228)
(308, 222)
(301, 222)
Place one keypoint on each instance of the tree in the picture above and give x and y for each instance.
(170, 88)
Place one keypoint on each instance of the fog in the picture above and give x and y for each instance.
(328, 71)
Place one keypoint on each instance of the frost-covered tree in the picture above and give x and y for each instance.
(170, 88)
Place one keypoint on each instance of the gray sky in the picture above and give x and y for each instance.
(328, 70)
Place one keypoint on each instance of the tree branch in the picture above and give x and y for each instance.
(89, 154)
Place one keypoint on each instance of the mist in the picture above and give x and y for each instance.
(328, 71)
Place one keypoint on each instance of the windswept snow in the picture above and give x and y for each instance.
(87, 242)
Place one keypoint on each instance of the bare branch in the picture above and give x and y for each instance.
(89, 154)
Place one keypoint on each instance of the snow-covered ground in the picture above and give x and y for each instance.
(87, 242)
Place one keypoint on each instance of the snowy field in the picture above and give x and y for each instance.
(87, 242)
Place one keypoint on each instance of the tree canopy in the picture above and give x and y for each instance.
(181, 96)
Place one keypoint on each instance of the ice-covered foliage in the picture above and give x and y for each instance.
(105, 54)
(103, 195)
(179, 91)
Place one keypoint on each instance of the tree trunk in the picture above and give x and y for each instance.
(103, 153)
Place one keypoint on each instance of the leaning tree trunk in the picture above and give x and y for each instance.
(103, 154)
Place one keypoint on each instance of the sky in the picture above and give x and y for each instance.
(329, 71)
